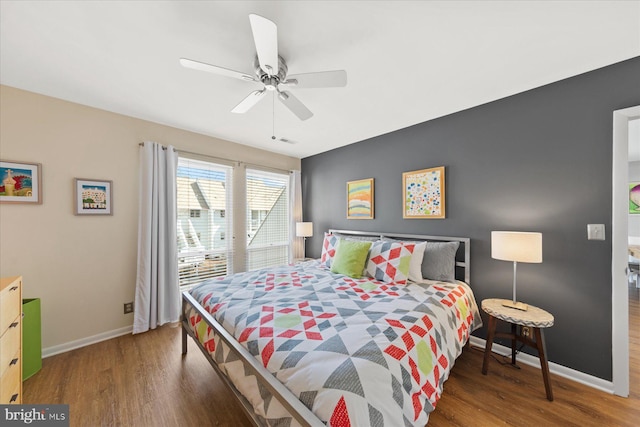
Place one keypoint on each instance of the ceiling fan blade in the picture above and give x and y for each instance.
(265, 36)
(336, 78)
(294, 104)
(251, 100)
(201, 66)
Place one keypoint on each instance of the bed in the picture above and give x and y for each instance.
(304, 345)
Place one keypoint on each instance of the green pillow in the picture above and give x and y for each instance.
(350, 258)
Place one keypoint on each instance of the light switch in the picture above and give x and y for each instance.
(595, 231)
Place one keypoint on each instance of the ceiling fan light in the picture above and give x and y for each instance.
(270, 83)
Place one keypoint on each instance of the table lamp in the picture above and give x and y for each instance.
(304, 230)
(516, 246)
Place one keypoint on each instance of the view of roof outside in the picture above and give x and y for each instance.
(267, 219)
(205, 213)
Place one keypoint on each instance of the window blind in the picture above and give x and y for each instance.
(267, 218)
(205, 238)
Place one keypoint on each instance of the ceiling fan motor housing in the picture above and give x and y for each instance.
(271, 81)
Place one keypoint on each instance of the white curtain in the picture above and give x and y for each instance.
(295, 201)
(157, 298)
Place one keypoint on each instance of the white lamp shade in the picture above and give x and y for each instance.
(516, 246)
(304, 229)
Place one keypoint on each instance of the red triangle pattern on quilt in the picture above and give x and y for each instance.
(340, 416)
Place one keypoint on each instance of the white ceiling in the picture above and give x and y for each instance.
(407, 62)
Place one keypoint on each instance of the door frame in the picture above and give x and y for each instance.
(619, 255)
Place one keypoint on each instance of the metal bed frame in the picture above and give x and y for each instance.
(296, 408)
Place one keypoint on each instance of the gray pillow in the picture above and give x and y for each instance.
(440, 261)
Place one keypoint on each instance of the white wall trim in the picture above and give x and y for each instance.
(83, 342)
(554, 368)
(527, 359)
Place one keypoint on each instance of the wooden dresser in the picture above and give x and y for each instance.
(11, 340)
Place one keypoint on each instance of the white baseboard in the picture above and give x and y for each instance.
(554, 368)
(527, 359)
(83, 342)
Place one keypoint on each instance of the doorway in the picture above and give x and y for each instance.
(619, 261)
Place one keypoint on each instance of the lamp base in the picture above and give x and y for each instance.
(517, 305)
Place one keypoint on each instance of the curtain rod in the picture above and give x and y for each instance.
(223, 159)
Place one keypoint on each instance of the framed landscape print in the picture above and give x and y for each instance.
(20, 182)
(423, 194)
(360, 199)
(93, 197)
(634, 197)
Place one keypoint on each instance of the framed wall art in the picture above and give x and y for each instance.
(634, 197)
(360, 199)
(20, 182)
(93, 197)
(423, 194)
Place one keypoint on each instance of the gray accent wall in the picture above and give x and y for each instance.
(540, 161)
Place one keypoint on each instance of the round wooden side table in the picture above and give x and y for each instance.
(534, 318)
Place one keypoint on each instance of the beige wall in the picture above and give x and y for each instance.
(84, 268)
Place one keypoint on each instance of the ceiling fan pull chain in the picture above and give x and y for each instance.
(273, 115)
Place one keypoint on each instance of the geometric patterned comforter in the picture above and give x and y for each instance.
(355, 351)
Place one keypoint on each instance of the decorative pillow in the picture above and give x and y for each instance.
(328, 249)
(350, 258)
(415, 266)
(440, 261)
(389, 261)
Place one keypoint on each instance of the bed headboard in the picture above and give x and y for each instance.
(463, 256)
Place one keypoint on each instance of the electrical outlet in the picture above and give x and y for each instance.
(526, 332)
(128, 307)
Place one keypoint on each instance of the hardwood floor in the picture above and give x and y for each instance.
(138, 381)
(143, 380)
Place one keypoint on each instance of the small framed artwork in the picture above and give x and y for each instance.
(93, 197)
(360, 199)
(20, 182)
(634, 197)
(424, 194)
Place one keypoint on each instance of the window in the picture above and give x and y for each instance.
(204, 194)
(257, 216)
(267, 219)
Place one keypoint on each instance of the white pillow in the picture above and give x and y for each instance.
(415, 265)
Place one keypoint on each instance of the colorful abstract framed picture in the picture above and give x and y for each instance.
(360, 199)
(634, 197)
(93, 197)
(20, 182)
(424, 194)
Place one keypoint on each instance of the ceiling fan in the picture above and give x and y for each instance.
(271, 71)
